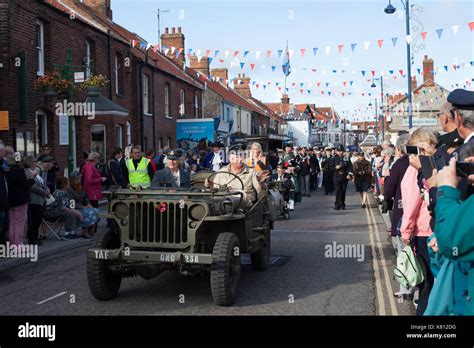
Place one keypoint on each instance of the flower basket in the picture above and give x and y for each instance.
(94, 84)
(93, 91)
(51, 92)
(53, 84)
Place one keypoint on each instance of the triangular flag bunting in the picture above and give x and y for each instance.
(328, 49)
(315, 50)
(279, 53)
(408, 38)
(273, 67)
(221, 60)
(373, 72)
(471, 26)
(366, 45)
(208, 52)
(246, 53)
(313, 70)
(236, 53)
(242, 65)
(303, 50)
(419, 71)
(252, 66)
(226, 54)
(446, 67)
(257, 54)
(363, 72)
(353, 46)
(269, 53)
(439, 32)
(340, 48)
(351, 82)
(401, 72)
(394, 41)
(380, 42)
(455, 29)
(423, 35)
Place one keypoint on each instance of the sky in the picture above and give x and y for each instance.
(266, 25)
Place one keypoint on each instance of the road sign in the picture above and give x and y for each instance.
(79, 77)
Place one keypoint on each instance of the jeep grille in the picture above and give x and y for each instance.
(150, 226)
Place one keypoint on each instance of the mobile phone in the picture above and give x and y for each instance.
(428, 164)
(413, 150)
(464, 169)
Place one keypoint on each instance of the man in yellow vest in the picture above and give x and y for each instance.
(138, 170)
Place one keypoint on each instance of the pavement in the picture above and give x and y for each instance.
(306, 277)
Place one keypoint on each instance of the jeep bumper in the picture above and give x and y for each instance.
(176, 258)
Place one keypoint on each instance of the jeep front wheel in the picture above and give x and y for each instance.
(225, 269)
(103, 283)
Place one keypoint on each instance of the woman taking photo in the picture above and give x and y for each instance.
(362, 177)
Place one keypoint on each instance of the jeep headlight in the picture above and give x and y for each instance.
(197, 212)
(121, 210)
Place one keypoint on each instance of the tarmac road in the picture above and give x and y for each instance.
(301, 281)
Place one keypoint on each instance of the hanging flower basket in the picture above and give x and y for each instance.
(53, 84)
(94, 84)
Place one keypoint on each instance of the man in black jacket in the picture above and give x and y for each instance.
(328, 172)
(343, 172)
(115, 168)
(314, 169)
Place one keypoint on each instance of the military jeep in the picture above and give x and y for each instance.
(193, 231)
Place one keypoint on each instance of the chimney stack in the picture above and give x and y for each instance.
(428, 70)
(285, 99)
(242, 86)
(101, 7)
(413, 83)
(176, 40)
(200, 65)
(221, 73)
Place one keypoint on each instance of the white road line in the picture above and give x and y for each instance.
(383, 261)
(375, 264)
(321, 220)
(314, 231)
(52, 297)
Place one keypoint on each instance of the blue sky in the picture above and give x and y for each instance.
(261, 25)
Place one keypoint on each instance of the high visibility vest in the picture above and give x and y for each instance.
(139, 177)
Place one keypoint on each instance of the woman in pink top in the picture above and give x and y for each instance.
(92, 179)
(416, 218)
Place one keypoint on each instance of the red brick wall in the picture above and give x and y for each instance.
(61, 34)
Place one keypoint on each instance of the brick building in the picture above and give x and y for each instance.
(146, 94)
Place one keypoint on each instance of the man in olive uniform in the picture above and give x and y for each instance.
(342, 174)
(328, 171)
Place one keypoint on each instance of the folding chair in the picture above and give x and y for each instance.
(53, 226)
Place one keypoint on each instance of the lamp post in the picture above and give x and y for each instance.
(381, 103)
(376, 123)
(390, 10)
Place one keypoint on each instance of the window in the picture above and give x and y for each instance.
(88, 59)
(196, 106)
(119, 74)
(227, 117)
(129, 133)
(40, 47)
(182, 103)
(167, 100)
(146, 95)
(337, 138)
(98, 140)
(118, 136)
(160, 143)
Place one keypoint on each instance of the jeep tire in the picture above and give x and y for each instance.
(225, 269)
(103, 283)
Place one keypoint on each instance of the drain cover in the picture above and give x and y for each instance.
(275, 260)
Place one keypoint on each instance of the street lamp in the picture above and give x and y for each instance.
(390, 10)
(376, 123)
(373, 85)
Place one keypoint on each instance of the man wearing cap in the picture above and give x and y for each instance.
(343, 172)
(253, 183)
(328, 171)
(54, 168)
(138, 170)
(172, 176)
(463, 103)
(214, 159)
(446, 117)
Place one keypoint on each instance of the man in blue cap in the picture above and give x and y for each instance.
(463, 103)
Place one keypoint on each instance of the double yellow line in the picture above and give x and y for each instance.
(381, 272)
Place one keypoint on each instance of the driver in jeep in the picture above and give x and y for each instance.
(253, 183)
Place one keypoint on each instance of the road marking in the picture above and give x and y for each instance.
(314, 231)
(52, 297)
(383, 261)
(322, 220)
(378, 283)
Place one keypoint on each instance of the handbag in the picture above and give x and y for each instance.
(408, 272)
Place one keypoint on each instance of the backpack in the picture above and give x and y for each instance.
(408, 272)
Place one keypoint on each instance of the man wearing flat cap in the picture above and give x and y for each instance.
(172, 176)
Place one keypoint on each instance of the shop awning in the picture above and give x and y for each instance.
(105, 106)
